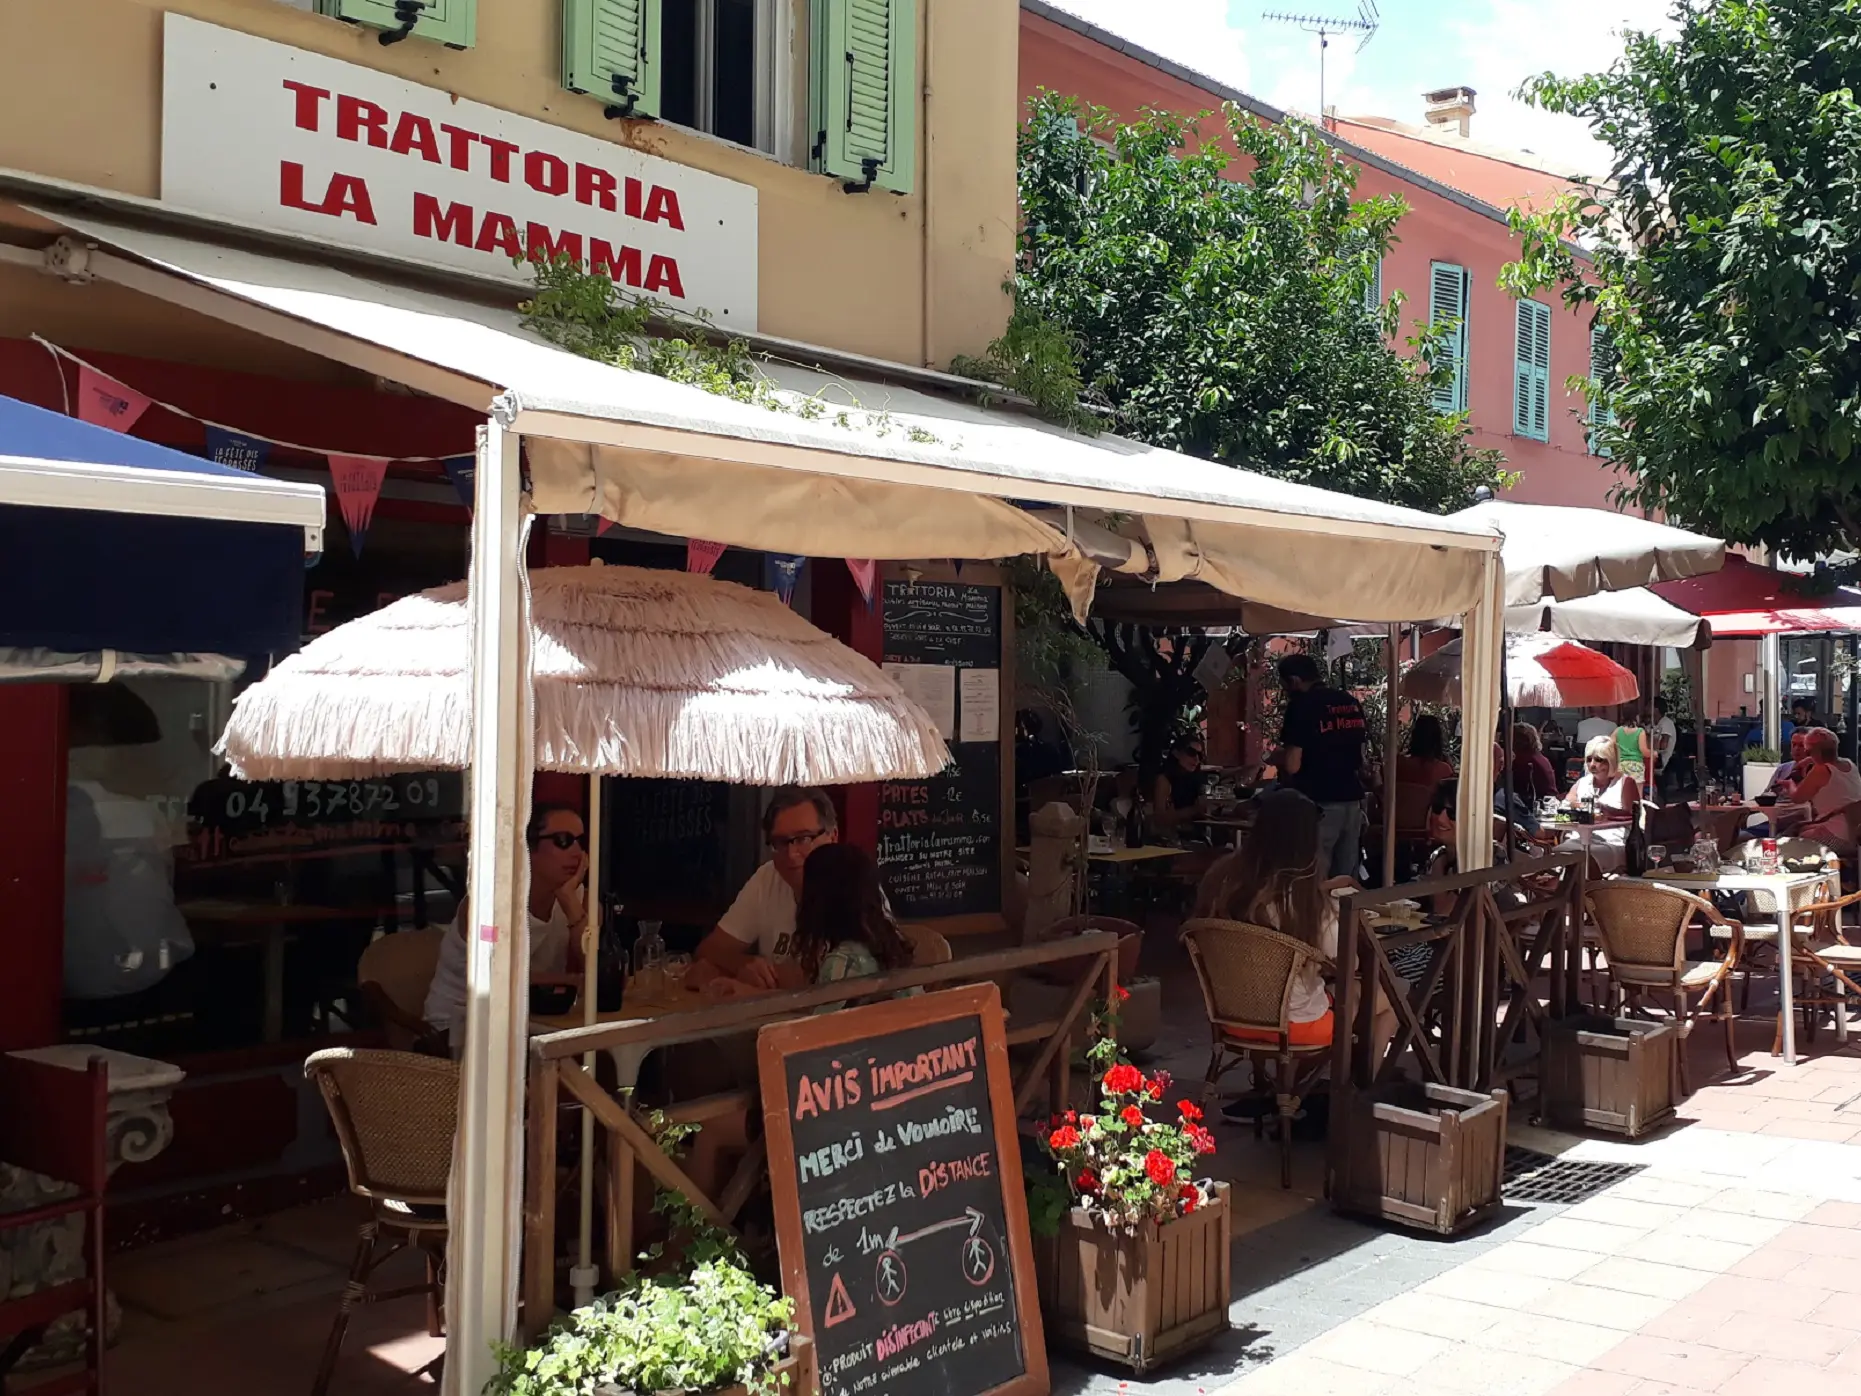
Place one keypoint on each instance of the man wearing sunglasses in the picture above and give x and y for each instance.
(753, 941)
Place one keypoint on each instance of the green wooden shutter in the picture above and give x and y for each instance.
(1602, 366)
(610, 50)
(450, 22)
(1447, 305)
(862, 98)
(1531, 371)
(1373, 291)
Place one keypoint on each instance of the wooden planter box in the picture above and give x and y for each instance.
(1610, 1074)
(1142, 1297)
(794, 1375)
(1422, 1156)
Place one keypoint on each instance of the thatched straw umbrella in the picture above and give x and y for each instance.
(635, 672)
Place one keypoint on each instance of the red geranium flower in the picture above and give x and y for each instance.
(1088, 1123)
(1154, 1089)
(1201, 1139)
(1087, 1181)
(1160, 1169)
(1123, 1078)
(1132, 1116)
(1072, 1117)
(1122, 992)
(1065, 1137)
(1189, 1110)
(1190, 1195)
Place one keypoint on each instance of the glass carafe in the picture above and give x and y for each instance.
(649, 959)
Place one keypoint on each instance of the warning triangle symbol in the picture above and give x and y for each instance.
(839, 1304)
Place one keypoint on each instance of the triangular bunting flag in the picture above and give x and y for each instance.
(236, 449)
(463, 472)
(865, 572)
(780, 572)
(701, 556)
(604, 525)
(104, 402)
(358, 485)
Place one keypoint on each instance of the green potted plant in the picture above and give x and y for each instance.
(1761, 763)
(1130, 1248)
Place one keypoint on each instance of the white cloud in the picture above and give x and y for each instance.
(1195, 33)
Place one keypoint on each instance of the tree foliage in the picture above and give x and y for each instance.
(1725, 265)
(1222, 317)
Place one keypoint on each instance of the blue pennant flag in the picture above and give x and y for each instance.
(463, 472)
(780, 572)
(236, 449)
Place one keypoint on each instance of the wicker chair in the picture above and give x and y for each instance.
(1247, 974)
(394, 973)
(1824, 955)
(395, 1115)
(1643, 927)
(928, 947)
(1763, 916)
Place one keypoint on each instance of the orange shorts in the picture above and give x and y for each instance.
(1316, 1033)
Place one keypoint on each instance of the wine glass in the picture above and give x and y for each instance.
(675, 968)
(1657, 855)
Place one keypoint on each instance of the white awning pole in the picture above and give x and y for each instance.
(1481, 644)
(582, 1277)
(485, 1207)
(1770, 651)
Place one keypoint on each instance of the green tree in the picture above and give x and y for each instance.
(1724, 267)
(1222, 317)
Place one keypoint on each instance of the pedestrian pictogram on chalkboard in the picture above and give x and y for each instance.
(888, 1277)
(978, 1260)
(839, 1304)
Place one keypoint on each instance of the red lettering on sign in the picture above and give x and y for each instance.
(459, 145)
(414, 132)
(634, 193)
(454, 223)
(317, 621)
(662, 275)
(345, 194)
(355, 116)
(501, 152)
(547, 247)
(594, 185)
(545, 173)
(620, 263)
(499, 234)
(662, 207)
(306, 103)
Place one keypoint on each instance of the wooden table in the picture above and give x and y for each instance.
(635, 1007)
(1148, 853)
(1790, 891)
(270, 922)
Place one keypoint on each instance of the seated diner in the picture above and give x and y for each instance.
(1609, 794)
(1176, 795)
(754, 941)
(843, 925)
(1533, 779)
(1419, 771)
(1828, 785)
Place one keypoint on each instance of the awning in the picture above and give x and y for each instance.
(1747, 599)
(1633, 617)
(904, 474)
(111, 542)
(1560, 552)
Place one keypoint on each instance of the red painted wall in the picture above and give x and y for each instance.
(32, 863)
(1436, 229)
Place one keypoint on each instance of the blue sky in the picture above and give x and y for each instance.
(1489, 45)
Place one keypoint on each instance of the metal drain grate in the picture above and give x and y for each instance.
(1535, 1177)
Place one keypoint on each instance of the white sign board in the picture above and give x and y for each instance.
(278, 138)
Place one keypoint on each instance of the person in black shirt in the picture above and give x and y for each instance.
(1176, 797)
(1321, 756)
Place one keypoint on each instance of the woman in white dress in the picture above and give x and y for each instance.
(1613, 795)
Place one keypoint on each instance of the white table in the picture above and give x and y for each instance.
(1790, 891)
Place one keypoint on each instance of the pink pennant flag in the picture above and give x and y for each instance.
(865, 571)
(358, 485)
(104, 402)
(605, 525)
(701, 556)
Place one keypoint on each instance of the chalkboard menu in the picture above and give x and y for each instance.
(237, 818)
(669, 840)
(940, 839)
(900, 1214)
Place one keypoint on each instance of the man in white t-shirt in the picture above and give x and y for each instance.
(1666, 738)
(753, 940)
(1592, 727)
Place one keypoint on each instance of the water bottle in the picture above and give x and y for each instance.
(649, 958)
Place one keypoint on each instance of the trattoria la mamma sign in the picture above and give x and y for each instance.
(292, 141)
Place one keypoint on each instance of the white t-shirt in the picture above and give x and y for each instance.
(763, 915)
(445, 999)
(1593, 727)
(1310, 1001)
(1666, 739)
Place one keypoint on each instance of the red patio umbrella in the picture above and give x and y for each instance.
(1745, 598)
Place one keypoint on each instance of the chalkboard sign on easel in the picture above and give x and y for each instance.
(940, 839)
(900, 1215)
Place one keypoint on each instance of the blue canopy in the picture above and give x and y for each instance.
(111, 542)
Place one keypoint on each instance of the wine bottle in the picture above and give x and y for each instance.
(1636, 856)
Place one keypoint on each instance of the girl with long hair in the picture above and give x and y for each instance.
(843, 926)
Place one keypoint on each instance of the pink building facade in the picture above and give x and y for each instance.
(1449, 239)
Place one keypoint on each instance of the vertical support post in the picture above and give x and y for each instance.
(582, 1277)
(1770, 649)
(539, 1190)
(1392, 732)
(1482, 643)
(487, 1172)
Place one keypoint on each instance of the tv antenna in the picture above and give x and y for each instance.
(1365, 26)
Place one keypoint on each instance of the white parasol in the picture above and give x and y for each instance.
(1542, 671)
(1563, 552)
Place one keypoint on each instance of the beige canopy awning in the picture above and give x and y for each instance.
(857, 467)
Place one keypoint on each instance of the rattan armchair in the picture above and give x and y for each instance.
(1763, 916)
(1823, 954)
(1643, 928)
(1247, 974)
(395, 1115)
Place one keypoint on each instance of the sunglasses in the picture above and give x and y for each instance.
(564, 840)
(783, 842)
